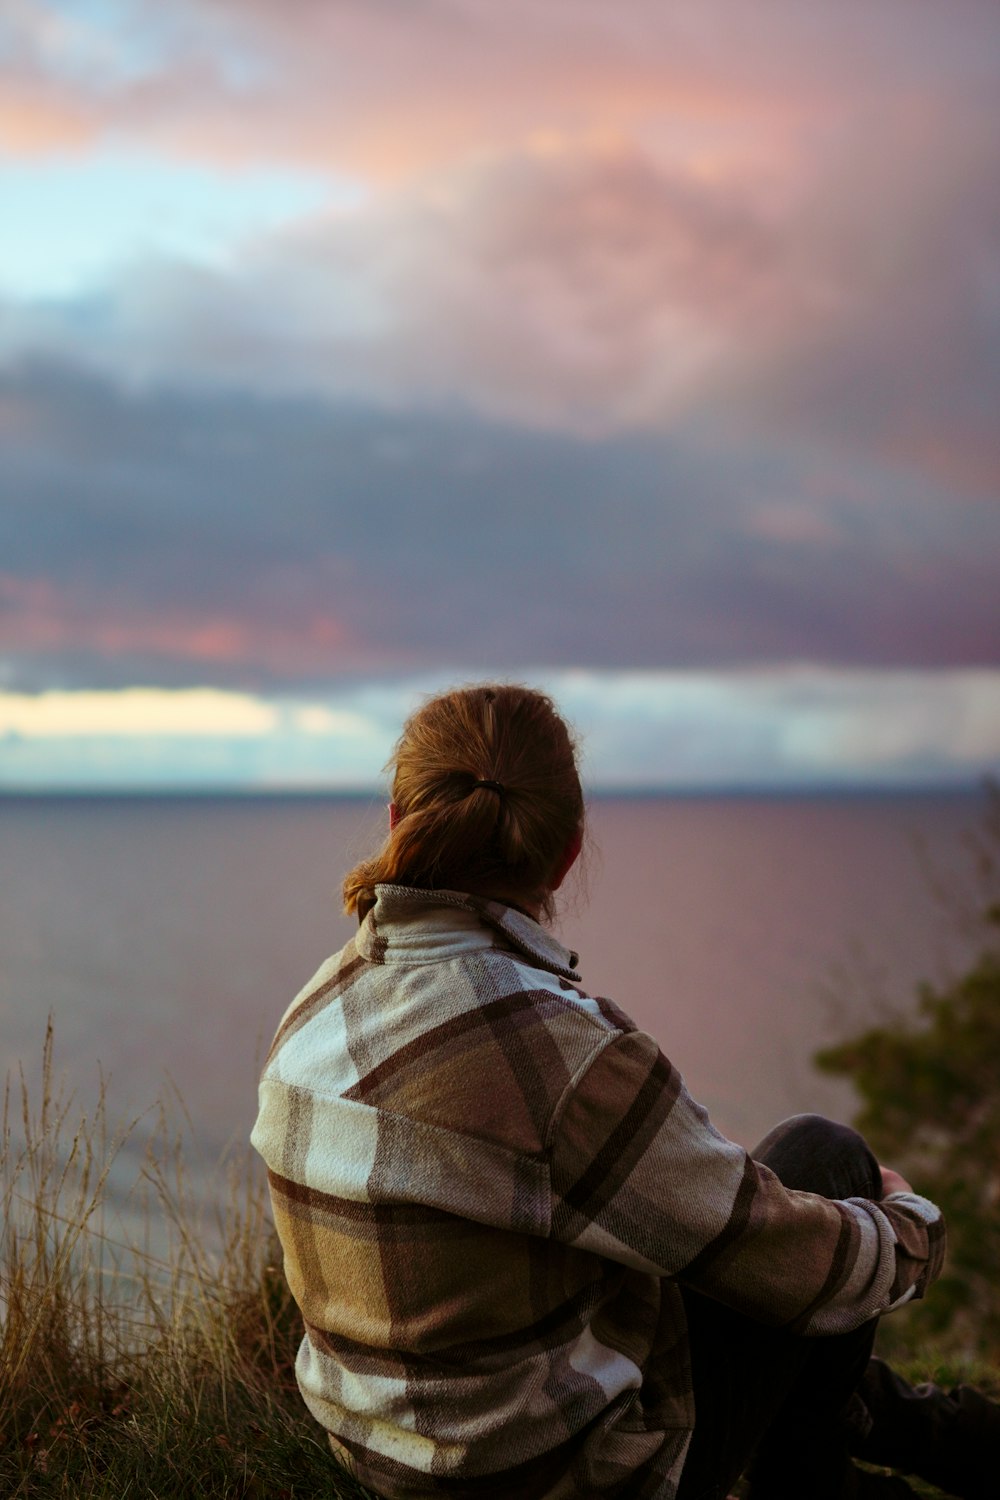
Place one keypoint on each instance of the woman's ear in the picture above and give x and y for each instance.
(393, 816)
(568, 860)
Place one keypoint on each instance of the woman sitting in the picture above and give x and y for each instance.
(528, 1264)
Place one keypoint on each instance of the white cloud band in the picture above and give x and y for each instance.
(777, 727)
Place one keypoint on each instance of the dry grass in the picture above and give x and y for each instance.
(150, 1353)
(155, 1360)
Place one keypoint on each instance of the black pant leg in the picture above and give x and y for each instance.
(762, 1388)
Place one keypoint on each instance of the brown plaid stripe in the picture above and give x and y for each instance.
(488, 1183)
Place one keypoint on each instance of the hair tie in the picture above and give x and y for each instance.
(492, 786)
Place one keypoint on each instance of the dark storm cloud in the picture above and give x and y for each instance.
(172, 538)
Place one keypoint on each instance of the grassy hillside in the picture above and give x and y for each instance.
(133, 1371)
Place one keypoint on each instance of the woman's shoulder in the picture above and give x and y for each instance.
(476, 1037)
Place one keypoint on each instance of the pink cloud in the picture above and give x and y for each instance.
(793, 523)
(394, 90)
(40, 619)
(584, 286)
(586, 215)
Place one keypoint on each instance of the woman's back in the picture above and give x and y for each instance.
(487, 1184)
(435, 1053)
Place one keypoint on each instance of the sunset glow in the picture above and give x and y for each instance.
(350, 348)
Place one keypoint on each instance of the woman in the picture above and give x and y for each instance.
(527, 1263)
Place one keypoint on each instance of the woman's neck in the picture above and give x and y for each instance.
(526, 902)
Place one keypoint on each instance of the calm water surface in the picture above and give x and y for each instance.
(165, 936)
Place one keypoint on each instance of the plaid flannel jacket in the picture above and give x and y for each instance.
(487, 1184)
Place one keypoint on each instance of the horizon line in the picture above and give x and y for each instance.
(862, 787)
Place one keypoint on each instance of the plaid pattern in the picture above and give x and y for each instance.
(486, 1181)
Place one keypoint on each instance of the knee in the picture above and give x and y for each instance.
(817, 1155)
(808, 1132)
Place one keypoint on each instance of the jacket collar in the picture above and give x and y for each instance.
(399, 904)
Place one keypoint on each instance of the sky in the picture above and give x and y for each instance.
(648, 353)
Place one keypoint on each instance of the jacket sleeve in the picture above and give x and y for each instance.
(639, 1175)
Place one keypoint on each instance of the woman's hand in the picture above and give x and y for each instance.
(892, 1182)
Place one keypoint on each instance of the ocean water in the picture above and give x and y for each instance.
(166, 936)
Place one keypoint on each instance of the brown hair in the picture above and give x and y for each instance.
(506, 838)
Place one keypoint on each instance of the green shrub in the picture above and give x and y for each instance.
(929, 1083)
